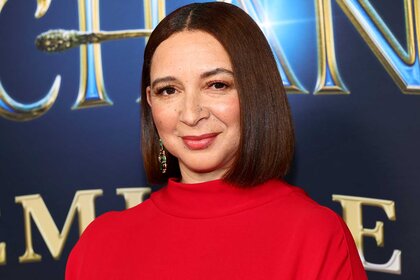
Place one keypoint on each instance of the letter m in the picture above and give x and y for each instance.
(34, 206)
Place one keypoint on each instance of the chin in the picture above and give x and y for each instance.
(203, 168)
(203, 165)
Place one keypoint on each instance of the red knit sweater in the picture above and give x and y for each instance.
(217, 231)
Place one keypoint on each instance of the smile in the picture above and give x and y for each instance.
(199, 142)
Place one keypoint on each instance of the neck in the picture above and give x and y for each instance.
(189, 176)
(215, 198)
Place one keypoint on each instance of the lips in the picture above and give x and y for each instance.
(199, 142)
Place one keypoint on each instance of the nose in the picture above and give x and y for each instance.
(193, 110)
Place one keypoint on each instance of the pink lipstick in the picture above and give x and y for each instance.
(199, 142)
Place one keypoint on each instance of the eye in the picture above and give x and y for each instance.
(218, 85)
(166, 90)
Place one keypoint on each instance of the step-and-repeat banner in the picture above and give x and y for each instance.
(70, 125)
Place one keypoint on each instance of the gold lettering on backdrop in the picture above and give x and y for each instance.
(2, 253)
(34, 206)
(91, 88)
(133, 196)
(256, 11)
(353, 216)
(152, 16)
(402, 65)
(329, 80)
(13, 110)
(42, 8)
(2, 3)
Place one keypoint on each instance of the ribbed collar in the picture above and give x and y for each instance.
(215, 198)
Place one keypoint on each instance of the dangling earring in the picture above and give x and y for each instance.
(162, 157)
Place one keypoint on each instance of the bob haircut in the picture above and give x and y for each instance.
(267, 140)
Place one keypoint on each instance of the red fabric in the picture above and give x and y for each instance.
(217, 231)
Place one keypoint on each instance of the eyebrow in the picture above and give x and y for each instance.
(163, 80)
(215, 72)
(202, 76)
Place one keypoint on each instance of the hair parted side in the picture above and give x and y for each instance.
(267, 138)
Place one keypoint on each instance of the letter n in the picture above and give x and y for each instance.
(402, 65)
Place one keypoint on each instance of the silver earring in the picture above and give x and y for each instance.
(162, 157)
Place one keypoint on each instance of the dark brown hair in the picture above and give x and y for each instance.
(266, 142)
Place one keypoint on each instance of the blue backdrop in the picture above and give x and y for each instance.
(362, 145)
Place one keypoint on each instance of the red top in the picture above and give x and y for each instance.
(217, 231)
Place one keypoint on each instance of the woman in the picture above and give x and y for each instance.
(217, 131)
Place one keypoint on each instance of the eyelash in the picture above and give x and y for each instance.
(161, 91)
(212, 83)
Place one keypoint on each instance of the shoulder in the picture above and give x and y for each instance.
(113, 224)
(290, 206)
(119, 220)
(304, 209)
(324, 238)
(103, 239)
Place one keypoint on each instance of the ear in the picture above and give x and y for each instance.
(148, 93)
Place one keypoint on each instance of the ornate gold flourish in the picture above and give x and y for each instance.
(42, 8)
(61, 40)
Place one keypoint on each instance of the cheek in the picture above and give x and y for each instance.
(229, 112)
(164, 118)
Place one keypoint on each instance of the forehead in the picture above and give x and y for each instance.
(189, 50)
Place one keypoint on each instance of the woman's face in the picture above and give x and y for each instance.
(195, 104)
